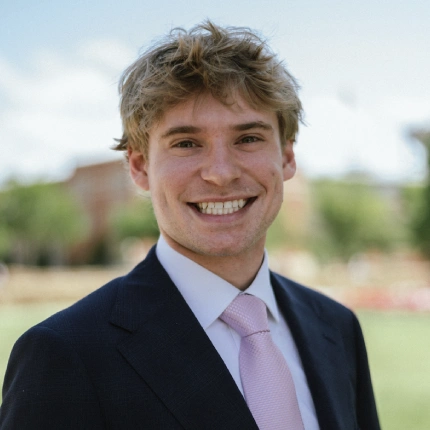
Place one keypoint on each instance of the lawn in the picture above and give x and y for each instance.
(399, 354)
(17, 318)
(398, 347)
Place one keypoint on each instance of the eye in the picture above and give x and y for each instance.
(185, 144)
(249, 139)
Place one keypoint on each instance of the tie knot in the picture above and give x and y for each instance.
(246, 314)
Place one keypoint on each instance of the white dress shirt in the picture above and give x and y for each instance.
(208, 296)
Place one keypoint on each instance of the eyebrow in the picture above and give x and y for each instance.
(182, 129)
(190, 129)
(251, 125)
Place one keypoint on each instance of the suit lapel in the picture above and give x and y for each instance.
(321, 350)
(171, 352)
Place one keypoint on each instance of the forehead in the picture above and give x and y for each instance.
(206, 111)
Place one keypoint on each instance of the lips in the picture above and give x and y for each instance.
(221, 208)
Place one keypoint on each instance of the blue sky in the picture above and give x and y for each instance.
(363, 67)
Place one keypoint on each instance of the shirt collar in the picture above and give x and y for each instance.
(207, 294)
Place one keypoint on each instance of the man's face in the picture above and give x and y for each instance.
(215, 174)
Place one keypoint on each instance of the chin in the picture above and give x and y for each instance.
(232, 249)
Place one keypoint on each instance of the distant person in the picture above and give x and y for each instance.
(200, 335)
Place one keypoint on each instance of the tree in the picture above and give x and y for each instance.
(137, 220)
(421, 221)
(354, 218)
(37, 222)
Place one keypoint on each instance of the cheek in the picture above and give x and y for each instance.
(160, 173)
(275, 179)
(269, 169)
(169, 181)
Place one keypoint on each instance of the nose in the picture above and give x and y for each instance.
(220, 166)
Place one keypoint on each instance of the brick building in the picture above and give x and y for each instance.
(100, 189)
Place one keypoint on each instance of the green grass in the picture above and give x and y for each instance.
(398, 348)
(15, 320)
(399, 354)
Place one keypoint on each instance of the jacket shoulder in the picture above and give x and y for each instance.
(95, 306)
(297, 293)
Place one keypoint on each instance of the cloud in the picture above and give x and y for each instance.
(60, 108)
(108, 53)
(341, 137)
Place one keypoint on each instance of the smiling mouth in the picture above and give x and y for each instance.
(221, 208)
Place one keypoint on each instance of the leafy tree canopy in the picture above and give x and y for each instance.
(421, 219)
(38, 215)
(136, 220)
(355, 217)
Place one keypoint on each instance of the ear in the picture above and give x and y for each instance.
(138, 169)
(288, 160)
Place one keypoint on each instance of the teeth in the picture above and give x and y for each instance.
(221, 208)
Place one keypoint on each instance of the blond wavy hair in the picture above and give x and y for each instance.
(207, 58)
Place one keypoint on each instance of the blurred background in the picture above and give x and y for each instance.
(356, 218)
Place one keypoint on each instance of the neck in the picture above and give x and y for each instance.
(238, 270)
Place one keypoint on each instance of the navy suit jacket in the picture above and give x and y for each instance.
(132, 355)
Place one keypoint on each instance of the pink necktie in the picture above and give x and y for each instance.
(266, 379)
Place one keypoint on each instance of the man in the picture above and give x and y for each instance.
(210, 117)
